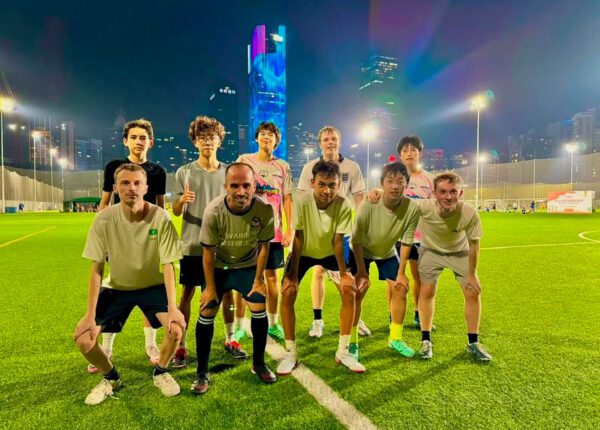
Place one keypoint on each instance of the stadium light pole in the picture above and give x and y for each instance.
(482, 160)
(35, 135)
(63, 163)
(369, 133)
(478, 103)
(6, 105)
(52, 152)
(571, 148)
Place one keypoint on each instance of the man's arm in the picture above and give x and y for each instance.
(174, 315)
(105, 200)
(187, 197)
(358, 198)
(287, 209)
(88, 322)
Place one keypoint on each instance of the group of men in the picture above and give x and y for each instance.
(233, 238)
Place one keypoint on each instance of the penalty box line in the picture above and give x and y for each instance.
(10, 242)
(342, 410)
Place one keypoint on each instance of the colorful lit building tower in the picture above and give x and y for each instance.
(267, 83)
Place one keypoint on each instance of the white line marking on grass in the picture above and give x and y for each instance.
(536, 245)
(10, 242)
(583, 233)
(344, 412)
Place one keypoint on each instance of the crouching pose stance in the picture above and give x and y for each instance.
(235, 235)
(321, 219)
(137, 237)
(378, 227)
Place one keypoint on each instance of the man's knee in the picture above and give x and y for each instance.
(399, 291)
(348, 292)
(427, 291)
(471, 294)
(289, 293)
(175, 333)
(85, 343)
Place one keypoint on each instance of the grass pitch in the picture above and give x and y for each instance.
(541, 319)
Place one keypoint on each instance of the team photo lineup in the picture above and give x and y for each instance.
(241, 224)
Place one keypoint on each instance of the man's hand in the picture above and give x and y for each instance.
(473, 283)
(402, 280)
(362, 282)
(209, 299)
(374, 195)
(187, 196)
(86, 324)
(347, 281)
(175, 317)
(289, 282)
(288, 236)
(258, 287)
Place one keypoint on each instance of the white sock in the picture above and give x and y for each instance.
(290, 345)
(344, 343)
(272, 319)
(182, 341)
(150, 335)
(107, 342)
(229, 332)
(240, 322)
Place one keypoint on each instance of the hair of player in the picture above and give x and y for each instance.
(410, 140)
(206, 127)
(139, 123)
(394, 168)
(269, 126)
(451, 177)
(327, 169)
(239, 164)
(130, 167)
(329, 129)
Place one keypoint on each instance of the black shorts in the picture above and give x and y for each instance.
(240, 280)
(388, 268)
(275, 259)
(329, 263)
(114, 306)
(191, 271)
(414, 251)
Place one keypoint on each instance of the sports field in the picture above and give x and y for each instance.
(541, 321)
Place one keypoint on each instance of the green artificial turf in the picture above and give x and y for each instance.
(541, 319)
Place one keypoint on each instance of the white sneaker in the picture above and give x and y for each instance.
(349, 361)
(316, 328)
(363, 330)
(153, 354)
(101, 391)
(167, 385)
(426, 351)
(288, 364)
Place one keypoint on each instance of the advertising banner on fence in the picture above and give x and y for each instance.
(570, 202)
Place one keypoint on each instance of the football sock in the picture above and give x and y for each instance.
(113, 375)
(318, 314)
(396, 331)
(260, 326)
(107, 342)
(150, 335)
(425, 335)
(272, 319)
(343, 343)
(473, 337)
(205, 329)
(354, 334)
(159, 370)
(416, 315)
(229, 332)
(240, 322)
(290, 346)
(182, 341)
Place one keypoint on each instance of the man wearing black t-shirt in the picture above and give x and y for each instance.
(138, 137)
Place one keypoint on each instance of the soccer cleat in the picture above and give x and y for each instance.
(349, 361)
(200, 384)
(276, 332)
(363, 330)
(288, 364)
(100, 392)
(235, 350)
(479, 351)
(401, 347)
(354, 350)
(316, 329)
(426, 351)
(264, 374)
(166, 384)
(181, 358)
(153, 354)
(93, 369)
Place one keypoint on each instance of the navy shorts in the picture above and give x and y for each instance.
(191, 271)
(388, 268)
(275, 259)
(240, 280)
(414, 251)
(114, 306)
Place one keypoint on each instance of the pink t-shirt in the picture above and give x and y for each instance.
(420, 186)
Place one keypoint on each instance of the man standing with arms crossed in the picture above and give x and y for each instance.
(235, 235)
(138, 238)
(352, 186)
(451, 232)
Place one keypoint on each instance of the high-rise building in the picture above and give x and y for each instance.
(113, 147)
(558, 133)
(243, 138)
(223, 104)
(302, 147)
(267, 83)
(16, 141)
(39, 149)
(67, 143)
(88, 154)
(584, 126)
(434, 160)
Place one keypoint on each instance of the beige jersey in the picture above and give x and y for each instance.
(236, 236)
(377, 229)
(319, 226)
(452, 234)
(135, 250)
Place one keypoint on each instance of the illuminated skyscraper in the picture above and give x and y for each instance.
(223, 104)
(267, 83)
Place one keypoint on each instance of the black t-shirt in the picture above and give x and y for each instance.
(156, 174)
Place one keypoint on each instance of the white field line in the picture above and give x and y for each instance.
(537, 245)
(583, 233)
(10, 242)
(344, 412)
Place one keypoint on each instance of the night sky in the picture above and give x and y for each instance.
(83, 60)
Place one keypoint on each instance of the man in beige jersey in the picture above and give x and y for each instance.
(138, 238)
(451, 233)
